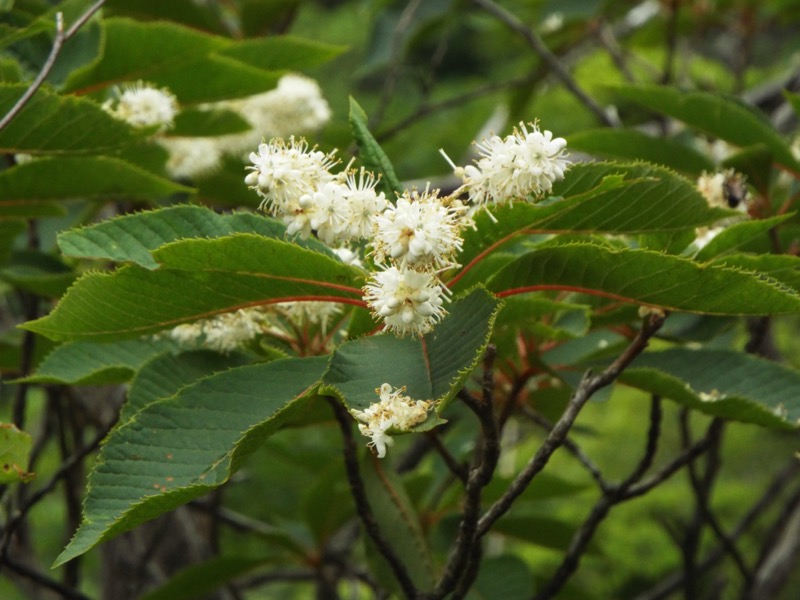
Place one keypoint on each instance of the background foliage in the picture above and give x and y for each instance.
(678, 481)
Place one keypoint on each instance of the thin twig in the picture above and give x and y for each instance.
(673, 583)
(363, 507)
(65, 468)
(43, 580)
(58, 43)
(571, 446)
(550, 59)
(586, 389)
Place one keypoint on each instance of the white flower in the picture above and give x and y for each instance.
(409, 302)
(419, 231)
(295, 107)
(348, 256)
(364, 203)
(332, 213)
(224, 332)
(284, 173)
(191, 157)
(310, 312)
(394, 413)
(725, 189)
(526, 163)
(142, 105)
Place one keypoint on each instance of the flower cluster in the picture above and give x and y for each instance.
(522, 165)
(723, 189)
(234, 330)
(295, 106)
(297, 186)
(143, 105)
(226, 332)
(394, 413)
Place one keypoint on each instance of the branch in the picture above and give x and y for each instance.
(547, 57)
(571, 446)
(466, 548)
(43, 580)
(585, 390)
(674, 582)
(58, 43)
(363, 507)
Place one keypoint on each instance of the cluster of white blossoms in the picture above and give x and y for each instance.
(723, 189)
(295, 106)
(143, 105)
(522, 165)
(234, 330)
(226, 332)
(394, 413)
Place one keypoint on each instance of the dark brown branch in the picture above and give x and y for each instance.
(65, 468)
(673, 583)
(43, 580)
(571, 446)
(586, 389)
(467, 543)
(548, 58)
(58, 43)
(363, 507)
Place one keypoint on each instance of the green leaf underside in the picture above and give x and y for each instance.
(169, 55)
(781, 267)
(399, 520)
(630, 144)
(370, 152)
(735, 386)
(53, 124)
(645, 277)
(431, 368)
(737, 234)
(722, 117)
(280, 53)
(134, 237)
(87, 363)
(200, 580)
(600, 197)
(82, 177)
(165, 374)
(145, 470)
(197, 279)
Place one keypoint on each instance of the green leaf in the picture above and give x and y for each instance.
(82, 127)
(164, 374)
(598, 197)
(39, 273)
(720, 116)
(199, 581)
(207, 123)
(723, 383)
(432, 368)
(536, 529)
(370, 152)
(197, 279)
(399, 520)
(644, 277)
(134, 237)
(281, 53)
(187, 13)
(145, 470)
(784, 268)
(15, 450)
(737, 234)
(94, 177)
(88, 363)
(172, 56)
(506, 576)
(630, 144)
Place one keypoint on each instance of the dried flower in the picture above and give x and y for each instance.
(394, 413)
